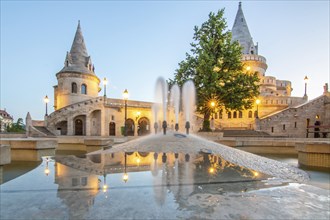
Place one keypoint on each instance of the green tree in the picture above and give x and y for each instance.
(16, 127)
(215, 67)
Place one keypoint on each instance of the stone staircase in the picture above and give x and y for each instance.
(43, 131)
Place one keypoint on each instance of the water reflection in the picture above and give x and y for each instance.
(158, 179)
(76, 188)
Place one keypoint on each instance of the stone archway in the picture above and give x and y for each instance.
(112, 129)
(62, 127)
(130, 127)
(143, 126)
(80, 125)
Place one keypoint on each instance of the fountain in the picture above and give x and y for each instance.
(175, 98)
(161, 100)
(188, 97)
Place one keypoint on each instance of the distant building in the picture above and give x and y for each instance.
(5, 120)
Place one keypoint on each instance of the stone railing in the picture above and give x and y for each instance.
(253, 57)
(72, 106)
(119, 103)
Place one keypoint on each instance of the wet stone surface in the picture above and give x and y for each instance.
(167, 178)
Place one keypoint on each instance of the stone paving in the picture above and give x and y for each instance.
(178, 142)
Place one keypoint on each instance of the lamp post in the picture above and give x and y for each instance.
(46, 100)
(105, 82)
(125, 95)
(257, 102)
(306, 81)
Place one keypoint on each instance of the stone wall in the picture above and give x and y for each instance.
(292, 122)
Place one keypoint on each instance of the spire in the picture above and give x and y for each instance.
(241, 33)
(78, 60)
(78, 49)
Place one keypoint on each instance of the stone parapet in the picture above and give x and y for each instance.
(5, 157)
(314, 154)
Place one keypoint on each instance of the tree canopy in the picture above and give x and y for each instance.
(16, 127)
(215, 67)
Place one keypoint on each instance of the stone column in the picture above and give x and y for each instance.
(104, 122)
(70, 126)
(88, 125)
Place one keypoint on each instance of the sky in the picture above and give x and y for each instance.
(132, 43)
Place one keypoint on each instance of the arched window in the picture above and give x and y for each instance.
(250, 114)
(83, 89)
(240, 114)
(235, 115)
(255, 114)
(229, 114)
(220, 114)
(74, 87)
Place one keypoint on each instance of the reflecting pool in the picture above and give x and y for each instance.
(147, 185)
(121, 185)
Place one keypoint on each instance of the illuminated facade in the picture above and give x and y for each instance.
(275, 94)
(79, 110)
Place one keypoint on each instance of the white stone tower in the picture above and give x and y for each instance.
(240, 32)
(77, 81)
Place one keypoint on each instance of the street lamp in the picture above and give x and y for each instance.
(257, 102)
(105, 82)
(46, 100)
(125, 96)
(306, 81)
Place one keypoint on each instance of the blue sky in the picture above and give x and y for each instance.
(132, 43)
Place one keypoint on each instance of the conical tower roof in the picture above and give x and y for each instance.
(78, 49)
(241, 33)
(78, 60)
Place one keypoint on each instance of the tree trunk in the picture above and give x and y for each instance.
(206, 122)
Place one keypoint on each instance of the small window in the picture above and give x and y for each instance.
(229, 114)
(74, 87)
(84, 181)
(272, 129)
(75, 182)
(240, 114)
(283, 127)
(216, 115)
(220, 114)
(295, 124)
(250, 114)
(112, 117)
(83, 89)
(235, 115)
(255, 114)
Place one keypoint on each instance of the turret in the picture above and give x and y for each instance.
(76, 80)
(240, 33)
